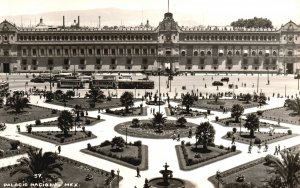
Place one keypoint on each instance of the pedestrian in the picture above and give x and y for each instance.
(249, 149)
(178, 137)
(233, 140)
(276, 151)
(138, 172)
(278, 148)
(266, 146)
(258, 148)
(59, 149)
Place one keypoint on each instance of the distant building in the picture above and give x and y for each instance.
(147, 48)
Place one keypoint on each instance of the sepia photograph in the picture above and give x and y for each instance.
(150, 94)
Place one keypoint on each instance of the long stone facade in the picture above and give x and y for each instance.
(146, 48)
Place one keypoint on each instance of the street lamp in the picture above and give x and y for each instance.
(218, 177)
(118, 173)
(240, 125)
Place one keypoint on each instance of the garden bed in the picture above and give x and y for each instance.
(56, 137)
(84, 121)
(28, 114)
(136, 111)
(73, 172)
(182, 112)
(283, 114)
(263, 136)
(148, 130)
(8, 147)
(132, 156)
(190, 159)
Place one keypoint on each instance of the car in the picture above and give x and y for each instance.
(225, 79)
(217, 83)
(37, 80)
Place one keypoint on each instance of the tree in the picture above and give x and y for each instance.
(135, 122)
(253, 23)
(95, 94)
(187, 101)
(49, 96)
(181, 121)
(65, 122)
(288, 168)
(118, 143)
(236, 111)
(293, 105)
(159, 119)
(76, 109)
(70, 94)
(64, 97)
(127, 100)
(1, 102)
(46, 164)
(57, 94)
(205, 135)
(247, 97)
(252, 123)
(216, 98)
(17, 102)
(262, 99)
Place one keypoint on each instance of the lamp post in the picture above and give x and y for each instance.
(118, 173)
(218, 177)
(240, 125)
(50, 81)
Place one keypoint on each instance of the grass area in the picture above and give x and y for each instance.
(191, 158)
(84, 121)
(7, 150)
(222, 103)
(73, 172)
(173, 111)
(263, 136)
(136, 111)
(29, 114)
(283, 114)
(230, 122)
(255, 172)
(56, 137)
(132, 156)
(85, 103)
(148, 130)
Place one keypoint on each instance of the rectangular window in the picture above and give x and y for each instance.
(57, 51)
(90, 52)
(50, 61)
(144, 51)
(105, 51)
(42, 52)
(128, 51)
(66, 61)
(81, 51)
(34, 62)
(98, 51)
(98, 61)
(24, 52)
(66, 51)
(24, 61)
(74, 51)
(34, 52)
(113, 61)
(50, 52)
(121, 51)
(113, 51)
(137, 51)
(152, 51)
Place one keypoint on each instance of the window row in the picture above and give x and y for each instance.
(230, 52)
(233, 37)
(82, 37)
(90, 51)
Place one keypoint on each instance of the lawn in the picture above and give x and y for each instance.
(8, 150)
(57, 137)
(29, 114)
(173, 111)
(256, 172)
(148, 130)
(85, 103)
(263, 136)
(131, 156)
(284, 114)
(136, 111)
(73, 172)
(230, 122)
(191, 158)
(84, 121)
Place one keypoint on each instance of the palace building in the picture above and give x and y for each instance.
(146, 48)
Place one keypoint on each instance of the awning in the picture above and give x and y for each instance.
(267, 51)
(245, 51)
(221, 51)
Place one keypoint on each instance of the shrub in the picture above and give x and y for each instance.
(229, 134)
(289, 132)
(29, 128)
(234, 129)
(89, 133)
(14, 144)
(137, 143)
(227, 123)
(221, 146)
(108, 98)
(89, 146)
(92, 105)
(233, 148)
(188, 144)
(197, 155)
(217, 118)
(182, 142)
(38, 122)
(82, 114)
(105, 143)
(208, 111)
(88, 121)
(268, 159)
(257, 141)
(54, 111)
(62, 140)
(260, 112)
(98, 117)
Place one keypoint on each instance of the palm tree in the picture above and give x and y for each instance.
(236, 111)
(247, 97)
(17, 102)
(95, 94)
(205, 134)
(294, 105)
(187, 101)
(181, 121)
(288, 168)
(252, 123)
(135, 122)
(159, 119)
(39, 167)
(118, 143)
(65, 122)
(127, 100)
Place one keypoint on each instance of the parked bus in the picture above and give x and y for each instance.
(70, 82)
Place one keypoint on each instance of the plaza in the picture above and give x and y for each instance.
(160, 151)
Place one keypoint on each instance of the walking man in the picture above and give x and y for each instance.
(233, 140)
(138, 172)
(276, 151)
(59, 149)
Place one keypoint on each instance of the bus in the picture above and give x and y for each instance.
(70, 82)
(85, 78)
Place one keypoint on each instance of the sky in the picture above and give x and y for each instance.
(198, 12)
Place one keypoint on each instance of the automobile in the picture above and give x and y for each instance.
(37, 80)
(217, 83)
(225, 79)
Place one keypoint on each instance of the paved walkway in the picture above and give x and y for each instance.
(159, 150)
